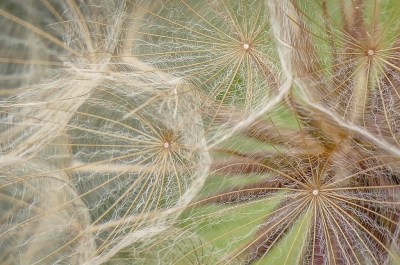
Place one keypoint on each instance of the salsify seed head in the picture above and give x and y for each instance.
(313, 191)
(199, 132)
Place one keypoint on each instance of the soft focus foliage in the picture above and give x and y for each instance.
(199, 132)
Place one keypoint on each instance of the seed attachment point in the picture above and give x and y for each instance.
(315, 192)
(246, 46)
(166, 145)
(370, 52)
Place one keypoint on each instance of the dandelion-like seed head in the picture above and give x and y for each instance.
(284, 94)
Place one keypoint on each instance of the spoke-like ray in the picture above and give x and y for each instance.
(154, 171)
(60, 19)
(244, 192)
(208, 23)
(213, 214)
(178, 24)
(330, 184)
(327, 235)
(328, 213)
(267, 167)
(242, 226)
(300, 206)
(355, 43)
(343, 83)
(306, 212)
(34, 62)
(346, 200)
(66, 203)
(347, 218)
(38, 31)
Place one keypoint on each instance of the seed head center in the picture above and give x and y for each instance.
(166, 145)
(246, 46)
(315, 192)
(370, 52)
